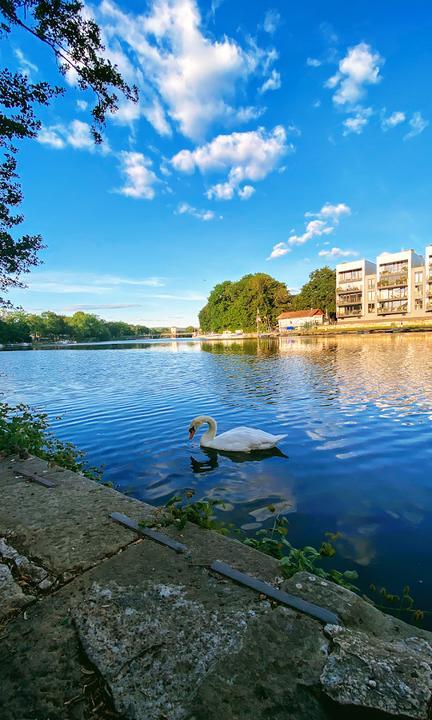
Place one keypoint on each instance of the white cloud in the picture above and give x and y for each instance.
(100, 306)
(188, 296)
(82, 105)
(138, 177)
(314, 228)
(272, 21)
(331, 212)
(91, 283)
(25, 66)
(184, 75)
(246, 192)
(272, 83)
(392, 120)
(313, 62)
(79, 135)
(417, 124)
(76, 134)
(50, 136)
(221, 191)
(204, 215)
(245, 155)
(357, 122)
(336, 252)
(324, 223)
(279, 250)
(360, 67)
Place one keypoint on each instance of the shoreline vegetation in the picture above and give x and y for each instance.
(21, 327)
(244, 309)
(25, 432)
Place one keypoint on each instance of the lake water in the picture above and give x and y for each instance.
(357, 412)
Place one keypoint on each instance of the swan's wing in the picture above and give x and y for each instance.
(245, 439)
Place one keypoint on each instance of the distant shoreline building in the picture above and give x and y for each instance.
(397, 287)
(296, 318)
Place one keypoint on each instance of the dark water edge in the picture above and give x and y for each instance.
(357, 412)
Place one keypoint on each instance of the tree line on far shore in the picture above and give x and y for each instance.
(230, 306)
(236, 305)
(16, 327)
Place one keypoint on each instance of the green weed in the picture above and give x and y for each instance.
(25, 431)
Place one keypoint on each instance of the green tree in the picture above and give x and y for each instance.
(234, 305)
(14, 328)
(37, 326)
(54, 325)
(318, 292)
(75, 40)
(119, 329)
(141, 330)
(84, 326)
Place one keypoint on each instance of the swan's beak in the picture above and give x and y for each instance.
(191, 432)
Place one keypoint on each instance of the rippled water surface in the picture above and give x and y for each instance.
(357, 412)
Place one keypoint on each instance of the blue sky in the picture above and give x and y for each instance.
(268, 137)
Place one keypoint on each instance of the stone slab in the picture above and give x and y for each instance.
(40, 668)
(354, 611)
(65, 529)
(392, 676)
(173, 640)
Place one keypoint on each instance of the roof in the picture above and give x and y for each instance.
(300, 313)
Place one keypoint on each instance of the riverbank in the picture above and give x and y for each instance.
(99, 622)
(364, 329)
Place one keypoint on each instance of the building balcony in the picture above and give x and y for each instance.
(350, 280)
(389, 281)
(350, 289)
(349, 300)
(394, 298)
(393, 269)
(349, 313)
(396, 310)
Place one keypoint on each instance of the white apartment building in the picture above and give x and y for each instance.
(397, 286)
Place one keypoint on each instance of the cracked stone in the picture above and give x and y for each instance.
(23, 565)
(392, 676)
(12, 597)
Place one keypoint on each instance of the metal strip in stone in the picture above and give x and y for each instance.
(315, 611)
(148, 532)
(33, 477)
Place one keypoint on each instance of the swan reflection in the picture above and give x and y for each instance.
(211, 461)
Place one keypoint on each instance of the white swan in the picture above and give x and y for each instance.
(240, 439)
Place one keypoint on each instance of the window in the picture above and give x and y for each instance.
(371, 283)
(418, 305)
(418, 277)
(371, 296)
(371, 307)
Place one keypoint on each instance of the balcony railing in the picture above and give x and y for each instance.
(393, 269)
(349, 313)
(398, 310)
(350, 300)
(393, 297)
(351, 288)
(393, 280)
(357, 279)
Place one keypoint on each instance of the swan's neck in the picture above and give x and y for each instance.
(210, 434)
